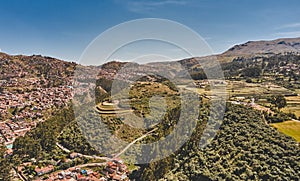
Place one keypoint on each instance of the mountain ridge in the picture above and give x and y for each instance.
(276, 46)
(247, 49)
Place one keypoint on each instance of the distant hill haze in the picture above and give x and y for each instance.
(281, 45)
(248, 49)
(251, 49)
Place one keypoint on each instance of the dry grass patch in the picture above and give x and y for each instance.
(290, 128)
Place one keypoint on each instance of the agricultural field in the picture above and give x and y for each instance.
(290, 128)
(244, 89)
(293, 105)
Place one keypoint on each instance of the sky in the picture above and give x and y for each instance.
(64, 28)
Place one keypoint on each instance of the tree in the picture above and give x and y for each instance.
(248, 80)
(251, 72)
(279, 101)
(5, 165)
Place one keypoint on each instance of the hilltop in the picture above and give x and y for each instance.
(251, 49)
(281, 45)
(21, 66)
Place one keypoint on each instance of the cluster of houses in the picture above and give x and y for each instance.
(72, 174)
(201, 83)
(11, 130)
(44, 170)
(11, 69)
(130, 72)
(108, 73)
(114, 170)
(204, 83)
(290, 67)
(23, 103)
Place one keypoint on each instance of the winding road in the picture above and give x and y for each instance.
(133, 142)
(107, 159)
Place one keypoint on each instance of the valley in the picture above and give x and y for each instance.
(92, 128)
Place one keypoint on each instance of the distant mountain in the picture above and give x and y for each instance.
(249, 49)
(21, 66)
(281, 45)
(38, 65)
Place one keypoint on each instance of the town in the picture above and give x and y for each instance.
(20, 111)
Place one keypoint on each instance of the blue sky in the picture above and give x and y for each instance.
(64, 28)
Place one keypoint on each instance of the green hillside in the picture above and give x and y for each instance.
(245, 148)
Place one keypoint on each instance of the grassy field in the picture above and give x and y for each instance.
(290, 128)
(293, 105)
(244, 89)
(248, 90)
(241, 88)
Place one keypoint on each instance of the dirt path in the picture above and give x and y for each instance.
(257, 107)
(295, 120)
(133, 142)
(82, 155)
(63, 148)
(107, 158)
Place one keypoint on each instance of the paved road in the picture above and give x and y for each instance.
(90, 165)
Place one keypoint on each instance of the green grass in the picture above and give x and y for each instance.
(290, 128)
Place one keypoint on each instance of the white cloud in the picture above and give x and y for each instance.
(291, 25)
(291, 34)
(207, 38)
(291, 30)
(143, 6)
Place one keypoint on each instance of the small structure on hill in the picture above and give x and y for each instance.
(109, 108)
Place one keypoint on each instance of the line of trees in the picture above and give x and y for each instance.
(244, 148)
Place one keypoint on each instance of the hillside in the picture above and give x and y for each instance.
(251, 49)
(35, 65)
(281, 45)
(244, 148)
(34, 89)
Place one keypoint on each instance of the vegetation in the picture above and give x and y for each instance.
(72, 139)
(5, 164)
(42, 140)
(290, 128)
(251, 72)
(280, 69)
(244, 148)
(278, 100)
(292, 105)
